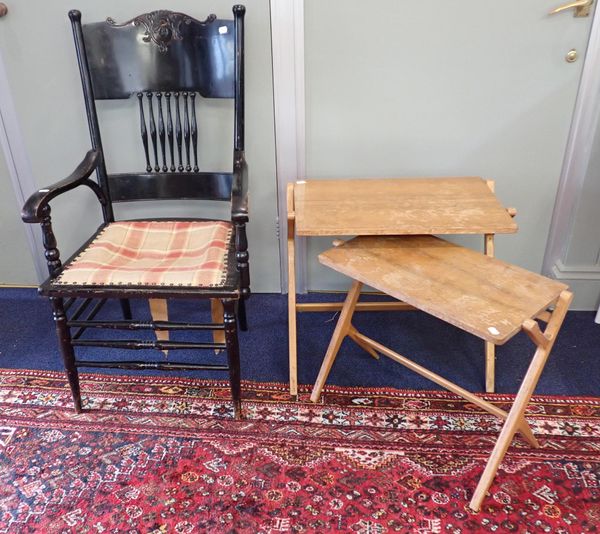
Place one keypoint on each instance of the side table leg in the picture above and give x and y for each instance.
(291, 244)
(216, 312)
(342, 328)
(490, 348)
(159, 312)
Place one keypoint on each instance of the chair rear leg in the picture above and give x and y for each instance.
(66, 349)
(126, 308)
(242, 315)
(233, 354)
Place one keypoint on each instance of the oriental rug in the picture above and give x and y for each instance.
(162, 455)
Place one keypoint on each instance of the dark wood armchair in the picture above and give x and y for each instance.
(162, 61)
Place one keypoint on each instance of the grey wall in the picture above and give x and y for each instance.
(15, 263)
(443, 88)
(37, 48)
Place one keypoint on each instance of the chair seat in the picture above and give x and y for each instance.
(482, 295)
(153, 253)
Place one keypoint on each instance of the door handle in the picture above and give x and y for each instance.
(581, 8)
(3, 9)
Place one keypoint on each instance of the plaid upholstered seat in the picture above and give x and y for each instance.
(156, 253)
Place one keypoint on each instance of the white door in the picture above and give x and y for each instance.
(36, 45)
(444, 88)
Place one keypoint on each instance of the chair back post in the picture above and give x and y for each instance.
(238, 14)
(90, 107)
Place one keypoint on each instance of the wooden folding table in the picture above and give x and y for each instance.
(483, 296)
(395, 206)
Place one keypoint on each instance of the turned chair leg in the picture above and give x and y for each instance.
(126, 308)
(242, 314)
(233, 354)
(66, 349)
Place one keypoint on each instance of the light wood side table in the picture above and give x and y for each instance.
(391, 206)
(484, 296)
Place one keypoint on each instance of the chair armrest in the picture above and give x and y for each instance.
(33, 210)
(239, 188)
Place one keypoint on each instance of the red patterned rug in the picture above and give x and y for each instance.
(164, 455)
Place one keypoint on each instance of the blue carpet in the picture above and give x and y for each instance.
(27, 341)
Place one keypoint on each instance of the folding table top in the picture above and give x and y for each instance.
(395, 206)
(479, 294)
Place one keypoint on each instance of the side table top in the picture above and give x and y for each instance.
(393, 206)
(482, 295)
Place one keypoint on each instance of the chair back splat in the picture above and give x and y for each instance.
(165, 60)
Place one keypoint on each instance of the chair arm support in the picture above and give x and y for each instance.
(239, 188)
(33, 210)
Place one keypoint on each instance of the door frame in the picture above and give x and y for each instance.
(287, 48)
